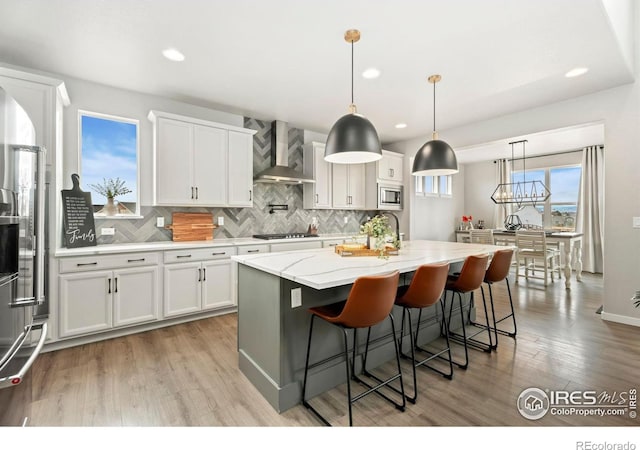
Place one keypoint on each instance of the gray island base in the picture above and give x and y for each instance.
(273, 331)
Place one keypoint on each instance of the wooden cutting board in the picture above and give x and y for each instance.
(192, 227)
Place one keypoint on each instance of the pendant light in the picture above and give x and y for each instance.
(436, 157)
(520, 192)
(352, 139)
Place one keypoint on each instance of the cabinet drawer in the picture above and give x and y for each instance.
(85, 263)
(252, 249)
(289, 246)
(332, 242)
(200, 254)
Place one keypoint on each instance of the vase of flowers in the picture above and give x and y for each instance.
(379, 233)
(110, 189)
(467, 222)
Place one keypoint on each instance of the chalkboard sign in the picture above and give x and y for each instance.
(77, 216)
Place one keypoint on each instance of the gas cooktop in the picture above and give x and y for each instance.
(283, 236)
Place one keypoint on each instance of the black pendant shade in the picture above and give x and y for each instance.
(435, 158)
(352, 139)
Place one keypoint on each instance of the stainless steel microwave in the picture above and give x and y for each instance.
(389, 197)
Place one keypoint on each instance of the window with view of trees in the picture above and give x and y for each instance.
(560, 209)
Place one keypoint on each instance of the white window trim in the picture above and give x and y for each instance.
(81, 112)
(421, 180)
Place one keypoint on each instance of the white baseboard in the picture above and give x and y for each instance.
(620, 319)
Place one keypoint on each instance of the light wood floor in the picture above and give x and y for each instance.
(187, 375)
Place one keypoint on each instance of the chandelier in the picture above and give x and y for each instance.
(520, 192)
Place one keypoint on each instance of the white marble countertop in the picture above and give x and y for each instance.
(106, 249)
(323, 268)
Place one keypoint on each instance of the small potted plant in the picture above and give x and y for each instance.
(378, 234)
(110, 189)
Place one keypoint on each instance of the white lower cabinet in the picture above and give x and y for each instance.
(95, 301)
(191, 287)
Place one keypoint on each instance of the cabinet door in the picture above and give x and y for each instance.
(322, 174)
(390, 167)
(85, 302)
(174, 163)
(182, 289)
(217, 284)
(240, 173)
(135, 295)
(356, 181)
(210, 165)
(340, 182)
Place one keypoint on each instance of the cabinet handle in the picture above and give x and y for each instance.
(196, 192)
(204, 274)
(135, 260)
(218, 253)
(199, 275)
(250, 195)
(317, 198)
(115, 281)
(253, 251)
(391, 172)
(87, 264)
(332, 245)
(183, 256)
(109, 290)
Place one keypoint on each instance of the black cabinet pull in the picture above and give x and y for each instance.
(183, 256)
(317, 198)
(250, 195)
(196, 193)
(332, 245)
(218, 253)
(199, 275)
(115, 281)
(135, 260)
(87, 264)
(204, 274)
(253, 251)
(109, 290)
(191, 192)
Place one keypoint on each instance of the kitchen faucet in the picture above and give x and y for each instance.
(390, 214)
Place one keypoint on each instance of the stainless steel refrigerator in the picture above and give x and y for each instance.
(23, 253)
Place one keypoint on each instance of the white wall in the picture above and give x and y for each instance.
(93, 97)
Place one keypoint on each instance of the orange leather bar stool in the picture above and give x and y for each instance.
(468, 280)
(499, 270)
(370, 301)
(426, 288)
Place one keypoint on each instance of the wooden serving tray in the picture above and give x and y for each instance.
(192, 227)
(362, 250)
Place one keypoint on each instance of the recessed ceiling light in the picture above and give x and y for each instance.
(576, 72)
(401, 125)
(371, 73)
(173, 54)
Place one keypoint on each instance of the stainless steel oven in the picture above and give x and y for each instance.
(23, 243)
(389, 197)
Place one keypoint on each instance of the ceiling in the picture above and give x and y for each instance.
(287, 59)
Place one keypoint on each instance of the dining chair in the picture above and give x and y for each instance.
(533, 253)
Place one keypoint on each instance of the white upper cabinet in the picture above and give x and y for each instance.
(348, 186)
(317, 195)
(201, 163)
(240, 169)
(389, 168)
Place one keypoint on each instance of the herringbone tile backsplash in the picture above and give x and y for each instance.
(245, 222)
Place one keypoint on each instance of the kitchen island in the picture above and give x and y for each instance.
(275, 291)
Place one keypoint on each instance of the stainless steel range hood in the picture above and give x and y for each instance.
(280, 172)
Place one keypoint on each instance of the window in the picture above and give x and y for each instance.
(559, 211)
(109, 151)
(434, 186)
